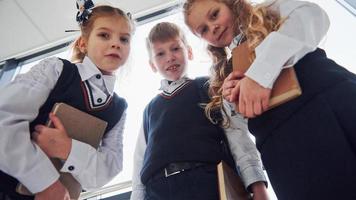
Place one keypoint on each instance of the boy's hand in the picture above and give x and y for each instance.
(252, 98)
(229, 83)
(56, 191)
(53, 141)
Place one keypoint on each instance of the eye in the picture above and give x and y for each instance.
(104, 35)
(176, 48)
(125, 39)
(214, 14)
(203, 30)
(159, 54)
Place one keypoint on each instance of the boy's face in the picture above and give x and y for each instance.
(170, 58)
(108, 45)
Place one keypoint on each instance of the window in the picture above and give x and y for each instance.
(350, 5)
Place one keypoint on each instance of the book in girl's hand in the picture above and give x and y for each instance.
(285, 88)
(80, 126)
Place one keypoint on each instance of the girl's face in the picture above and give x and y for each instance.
(212, 21)
(170, 58)
(108, 45)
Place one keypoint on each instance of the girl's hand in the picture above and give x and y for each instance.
(259, 191)
(54, 192)
(252, 98)
(53, 141)
(229, 83)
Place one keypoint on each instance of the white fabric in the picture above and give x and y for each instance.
(304, 27)
(21, 158)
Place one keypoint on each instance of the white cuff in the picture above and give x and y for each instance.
(252, 174)
(77, 159)
(40, 176)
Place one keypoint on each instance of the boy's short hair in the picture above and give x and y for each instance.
(163, 32)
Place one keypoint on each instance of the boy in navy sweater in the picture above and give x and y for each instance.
(178, 147)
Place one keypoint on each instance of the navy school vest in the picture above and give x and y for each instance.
(71, 90)
(177, 130)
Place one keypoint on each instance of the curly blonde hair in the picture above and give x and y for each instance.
(87, 26)
(255, 22)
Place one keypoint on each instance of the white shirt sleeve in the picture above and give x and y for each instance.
(243, 149)
(20, 101)
(95, 168)
(304, 27)
(138, 189)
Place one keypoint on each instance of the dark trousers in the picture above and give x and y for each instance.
(196, 184)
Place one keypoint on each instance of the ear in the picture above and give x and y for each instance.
(190, 52)
(153, 67)
(82, 44)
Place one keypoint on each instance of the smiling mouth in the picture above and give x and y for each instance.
(172, 68)
(221, 34)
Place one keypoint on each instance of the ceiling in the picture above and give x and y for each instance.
(29, 26)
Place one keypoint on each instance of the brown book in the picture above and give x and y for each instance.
(285, 88)
(230, 184)
(80, 126)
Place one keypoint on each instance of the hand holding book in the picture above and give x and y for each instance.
(54, 141)
(71, 123)
(252, 96)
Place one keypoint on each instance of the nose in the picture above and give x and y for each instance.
(171, 57)
(215, 28)
(116, 44)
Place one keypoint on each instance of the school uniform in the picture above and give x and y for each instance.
(178, 147)
(27, 102)
(308, 145)
(293, 164)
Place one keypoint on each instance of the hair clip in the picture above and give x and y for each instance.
(85, 8)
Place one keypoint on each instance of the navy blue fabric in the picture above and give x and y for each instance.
(308, 144)
(178, 131)
(68, 90)
(197, 184)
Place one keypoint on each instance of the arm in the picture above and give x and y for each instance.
(304, 27)
(243, 149)
(27, 162)
(138, 189)
(95, 168)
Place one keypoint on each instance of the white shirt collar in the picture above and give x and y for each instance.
(169, 86)
(87, 70)
(236, 41)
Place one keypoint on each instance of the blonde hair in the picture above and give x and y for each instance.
(87, 26)
(255, 22)
(163, 32)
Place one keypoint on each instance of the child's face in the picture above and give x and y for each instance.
(108, 45)
(212, 21)
(170, 58)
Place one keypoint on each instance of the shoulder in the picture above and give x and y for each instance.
(49, 68)
(120, 101)
(54, 63)
(202, 81)
(285, 7)
(152, 104)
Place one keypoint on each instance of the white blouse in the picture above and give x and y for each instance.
(20, 101)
